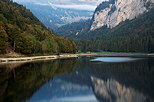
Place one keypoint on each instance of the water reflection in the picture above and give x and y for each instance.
(115, 59)
(19, 84)
(101, 82)
(112, 91)
(79, 80)
(58, 90)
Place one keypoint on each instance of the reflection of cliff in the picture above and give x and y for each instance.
(112, 91)
(137, 74)
(20, 84)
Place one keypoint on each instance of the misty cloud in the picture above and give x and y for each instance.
(89, 5)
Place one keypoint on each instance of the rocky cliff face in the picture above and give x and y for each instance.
(111, 12)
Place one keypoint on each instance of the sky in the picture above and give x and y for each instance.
(71, 4)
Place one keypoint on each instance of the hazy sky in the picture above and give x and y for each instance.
(72, 4)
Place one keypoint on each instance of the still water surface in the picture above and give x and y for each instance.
(84, 79)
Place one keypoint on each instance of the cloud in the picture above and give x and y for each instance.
(79, 7)
(88, 98)
(91, 1)
(63, 0)
(89, 5)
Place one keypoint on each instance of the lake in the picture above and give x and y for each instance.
(83, 79)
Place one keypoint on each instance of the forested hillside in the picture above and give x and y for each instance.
(135, 35)
(74, 30)
(22, 32)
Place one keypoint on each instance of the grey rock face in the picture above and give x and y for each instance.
(112, 12)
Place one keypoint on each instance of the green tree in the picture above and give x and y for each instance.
(26, 43)
(14, 34)
(3, 39)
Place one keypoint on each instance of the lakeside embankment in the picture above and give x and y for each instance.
(37, 58)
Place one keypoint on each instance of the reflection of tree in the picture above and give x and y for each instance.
(66, 64)
(9, 67)
(138, 74)
(20, 84)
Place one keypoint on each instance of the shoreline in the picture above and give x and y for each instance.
(39, 58)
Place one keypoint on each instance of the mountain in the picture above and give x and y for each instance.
(133, 32)
(22, 32)
(111, 13)
(54, 17)
(136, 35)
(74, 30)
(108, 15)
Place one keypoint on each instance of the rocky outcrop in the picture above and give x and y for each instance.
(110, 13)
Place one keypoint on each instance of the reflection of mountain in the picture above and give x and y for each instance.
(106, 90)
(110, 82)
(20, 84)
(138, 74)
(112, 91)
(58, 90)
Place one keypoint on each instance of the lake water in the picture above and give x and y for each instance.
(83, 79)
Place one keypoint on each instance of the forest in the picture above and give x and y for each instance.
(22, 32)
(135, 35)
